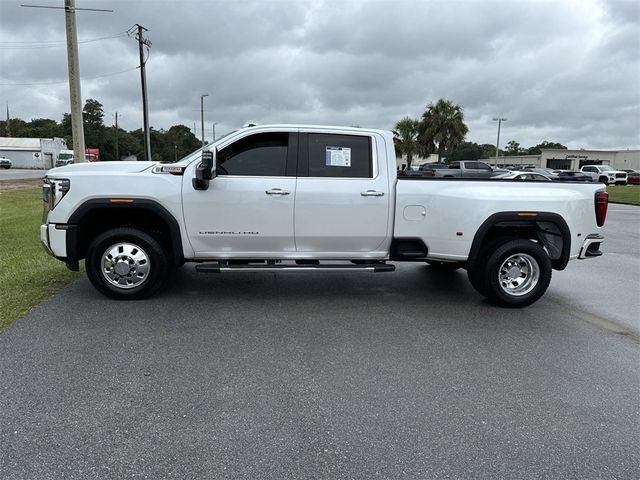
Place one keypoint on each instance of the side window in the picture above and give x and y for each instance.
(340, 156)
(262, 154)
(483, 166)
(455, 165)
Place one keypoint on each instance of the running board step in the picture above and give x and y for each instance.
(365, 267)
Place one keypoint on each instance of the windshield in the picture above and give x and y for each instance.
(65, 156)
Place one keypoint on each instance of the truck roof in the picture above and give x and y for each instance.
(319, 127)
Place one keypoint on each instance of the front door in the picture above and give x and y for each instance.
(247, 212)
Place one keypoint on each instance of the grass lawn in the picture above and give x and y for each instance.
(28, 274)
(624, 193)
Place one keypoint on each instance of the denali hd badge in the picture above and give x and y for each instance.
(173, 170)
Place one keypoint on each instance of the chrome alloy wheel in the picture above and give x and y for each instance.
(518, 274)
(125, 265)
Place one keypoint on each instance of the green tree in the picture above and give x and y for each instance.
(94, 129)
(537, 149)
(405, 138)
(466, 151)
(513, 148)
(442, 127)
(489, 151)
(93, 113)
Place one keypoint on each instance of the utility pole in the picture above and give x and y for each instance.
(499, 120)
(143, 42)
(202, 115)
(117, 149)
(75, 97)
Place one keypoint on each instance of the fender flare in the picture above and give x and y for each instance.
(529, 219)
(108, 204)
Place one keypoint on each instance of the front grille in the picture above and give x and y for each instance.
(620, 175)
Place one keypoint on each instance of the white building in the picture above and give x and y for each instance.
(574, 159)
(37, 153)
(561, 159)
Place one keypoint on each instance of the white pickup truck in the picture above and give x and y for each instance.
(290, 197)
(605, 174)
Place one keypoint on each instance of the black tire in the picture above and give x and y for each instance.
(476, 269)
(604, 180)
(443, 266)
(137, 264)
(517, 273)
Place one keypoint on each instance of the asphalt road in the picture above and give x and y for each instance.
(393, 375)
(20, 174)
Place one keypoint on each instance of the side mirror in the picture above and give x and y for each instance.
(205, 171)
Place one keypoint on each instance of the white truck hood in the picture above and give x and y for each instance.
(124, 167)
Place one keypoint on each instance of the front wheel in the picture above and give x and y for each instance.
(126, 264)
(516, 274)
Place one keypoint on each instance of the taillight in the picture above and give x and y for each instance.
(602, 202)
(433, 173)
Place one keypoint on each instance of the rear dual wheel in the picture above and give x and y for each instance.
(515, 274)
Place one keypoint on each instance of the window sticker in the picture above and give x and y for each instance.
(338, 157)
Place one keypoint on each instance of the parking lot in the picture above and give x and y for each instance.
(21, 174)
(331, 375)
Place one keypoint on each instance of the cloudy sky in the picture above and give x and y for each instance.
(559, 70)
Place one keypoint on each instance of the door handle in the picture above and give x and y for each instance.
(277, 191)
(372, 193)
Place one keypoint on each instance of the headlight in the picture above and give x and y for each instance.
(54, 190)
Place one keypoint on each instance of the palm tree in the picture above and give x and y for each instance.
(405, 138)
(442, 125)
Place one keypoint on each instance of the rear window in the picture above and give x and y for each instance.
(340, 156)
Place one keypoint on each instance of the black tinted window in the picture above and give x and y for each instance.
(340, 156)
(262, 154)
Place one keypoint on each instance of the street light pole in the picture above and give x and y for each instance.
(499, 120)
(202, 115)
(213, 130)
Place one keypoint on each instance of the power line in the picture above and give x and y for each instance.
(52, 43)
(65, 81)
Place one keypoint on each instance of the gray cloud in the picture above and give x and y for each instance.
(563, 70)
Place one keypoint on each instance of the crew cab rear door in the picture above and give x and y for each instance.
(342, 196)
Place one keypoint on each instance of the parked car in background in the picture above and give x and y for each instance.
(423, 170)
(571, 176)
(515, 175)
(547, 172)
(467, 169)
(65, 157)
(633, 178)
(605, 174)
(5, 163)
